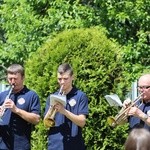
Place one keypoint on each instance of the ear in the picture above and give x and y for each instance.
(73, 77)
(23, 77)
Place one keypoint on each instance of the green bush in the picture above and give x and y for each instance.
(98, 67)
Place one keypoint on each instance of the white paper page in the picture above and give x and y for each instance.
(57, 98)
(113, 100)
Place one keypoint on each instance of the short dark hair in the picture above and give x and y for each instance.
(15, 68)
(65, 67)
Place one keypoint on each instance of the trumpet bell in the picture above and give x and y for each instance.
(49, 118)
(49, 123)
(111, 121)
(114, 121)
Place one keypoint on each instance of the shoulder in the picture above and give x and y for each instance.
(29, 92)
(79, 93)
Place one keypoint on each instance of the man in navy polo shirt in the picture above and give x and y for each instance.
(69, 120)
(21, 110)
(140, 116)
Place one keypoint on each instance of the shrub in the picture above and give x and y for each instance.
(98, 67)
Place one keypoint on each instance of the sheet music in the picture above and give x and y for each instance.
(113, 100)
(57, 98)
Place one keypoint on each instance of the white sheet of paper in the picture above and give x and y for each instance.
(57, 98)
(113, 100)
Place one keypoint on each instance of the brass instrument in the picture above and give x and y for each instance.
(49, 120)
(122, 116)
(3, 108)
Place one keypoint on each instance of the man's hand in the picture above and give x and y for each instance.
(126, 103)
(134, 111)
(10, 104)
(59, 107)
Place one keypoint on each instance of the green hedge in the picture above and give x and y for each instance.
(99, 70)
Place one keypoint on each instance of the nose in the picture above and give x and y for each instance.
(141, 90)
(62, 81)
(12, 81)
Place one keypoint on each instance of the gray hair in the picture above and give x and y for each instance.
(15, 68)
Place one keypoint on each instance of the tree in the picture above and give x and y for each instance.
(26, 24)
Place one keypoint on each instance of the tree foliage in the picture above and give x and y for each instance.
(22, 34)
(26, 24)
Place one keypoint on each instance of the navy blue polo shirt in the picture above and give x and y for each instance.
(135, 122)
(15, 132)
(66, 135)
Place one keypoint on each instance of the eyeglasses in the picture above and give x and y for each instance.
(143, 87)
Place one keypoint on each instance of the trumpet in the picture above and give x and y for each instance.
(3, 108)
(122, 116)
(49, 120)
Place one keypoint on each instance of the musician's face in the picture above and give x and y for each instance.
(144, 87)
(16, 80)
(65, 79)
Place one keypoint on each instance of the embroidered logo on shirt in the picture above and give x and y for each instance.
(21, 101)
(148, 113)
(72, 102)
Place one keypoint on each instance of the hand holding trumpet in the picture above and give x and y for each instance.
(8, 103)
(126, 103)
(59, 107)
(128, 109)
(131, 111)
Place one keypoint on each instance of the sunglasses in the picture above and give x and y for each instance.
(143, 87)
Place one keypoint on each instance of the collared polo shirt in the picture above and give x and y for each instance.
(15, 132)
(66, 135)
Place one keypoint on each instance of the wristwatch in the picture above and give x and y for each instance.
(145, 117)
